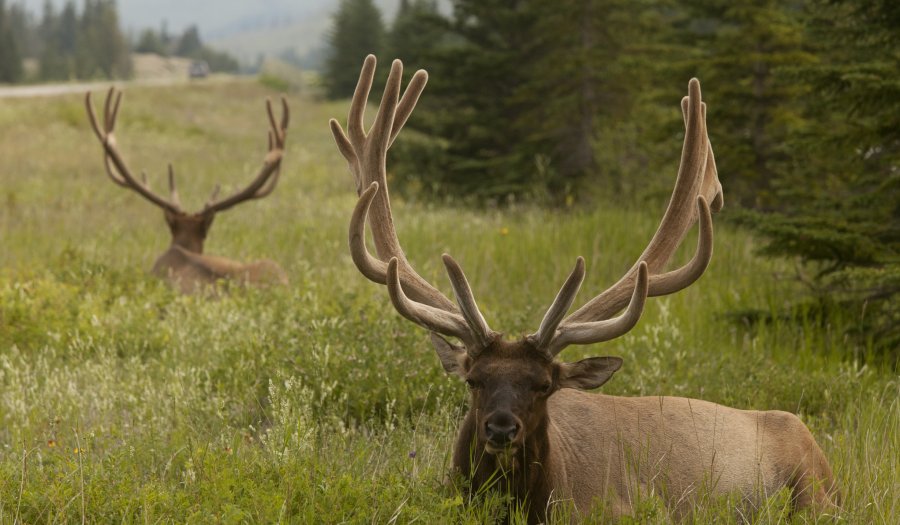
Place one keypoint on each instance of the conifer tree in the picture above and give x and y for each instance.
(736, 50)
(10, 59)
(838, 208)
(358, 30)
(519, 92)
(189, 44)
(467, 143)
(416, 32)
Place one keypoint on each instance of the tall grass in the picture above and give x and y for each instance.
(123, 401)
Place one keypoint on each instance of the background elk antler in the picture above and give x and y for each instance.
(184, 261)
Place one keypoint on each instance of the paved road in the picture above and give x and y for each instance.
(53, 90)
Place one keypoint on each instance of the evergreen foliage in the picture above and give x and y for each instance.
(82, 45)
(150, 41)
(10, 60)
(838, 207)
(468, 137)
(416, 32)
(188, 45)
(522, 93)
(358, 31)
(69, 44)
(556, 101)
(737, 50)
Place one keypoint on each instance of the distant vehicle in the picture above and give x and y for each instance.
(198, 69)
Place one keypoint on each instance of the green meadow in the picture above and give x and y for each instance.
(123, 401)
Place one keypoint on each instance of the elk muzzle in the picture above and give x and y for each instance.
(501, 430)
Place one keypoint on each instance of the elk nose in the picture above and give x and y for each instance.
(501, 432)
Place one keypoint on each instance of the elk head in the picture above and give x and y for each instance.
(511, 381)
(189, 229)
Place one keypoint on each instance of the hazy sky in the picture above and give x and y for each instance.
(215, 18)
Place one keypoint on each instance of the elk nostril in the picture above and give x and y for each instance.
(501, 434)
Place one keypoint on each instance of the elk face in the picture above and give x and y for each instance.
(510, 384)
(189, 229)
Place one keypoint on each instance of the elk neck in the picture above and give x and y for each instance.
(191, 244)
(189, 230)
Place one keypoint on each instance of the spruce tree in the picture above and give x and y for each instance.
(838, 207)
(520, 94)
(589, 67)
(467, 144)
(737, 49)
(416, 32)
(10, 59)
(189, 45)
(358, 31)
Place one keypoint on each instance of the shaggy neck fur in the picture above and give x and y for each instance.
(523, 474)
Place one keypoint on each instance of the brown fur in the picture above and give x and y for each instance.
(597, 451)
(186, 266)
(184, 263)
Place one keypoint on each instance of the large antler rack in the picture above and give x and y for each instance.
(366, 155)
(419, 301)
(117, 170)
(696, 185)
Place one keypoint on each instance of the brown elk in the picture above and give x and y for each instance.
(529, 419)
(184, 264)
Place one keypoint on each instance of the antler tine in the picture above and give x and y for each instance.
(347, 150)
(696, 185)
(387, 110)
(355, 124)
(115, 113)
(115, 166)
(214, 195)
(561, 305)
(466, 300)
(408, 102)
(173, 192)
(285, 113)
(267, 178)
(366, 157)
(92, 117)
(278, 130)
(372, 268)
(605, 330)
(671, 282)
(107, 109)
(434, 319)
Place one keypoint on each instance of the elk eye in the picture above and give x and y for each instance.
(544, 387)
(472, 384)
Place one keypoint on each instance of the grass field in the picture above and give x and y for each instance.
(121, 401)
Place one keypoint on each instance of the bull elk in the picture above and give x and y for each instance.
(184, 264)
(529, 419)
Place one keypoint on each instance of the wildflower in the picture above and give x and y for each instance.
(412, 454)
(51, 443)
(504, 231)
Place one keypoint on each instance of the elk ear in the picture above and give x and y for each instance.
(588, 373)
(453, 357)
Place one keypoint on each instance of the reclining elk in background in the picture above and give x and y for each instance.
(528, 417)
(184, 264)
